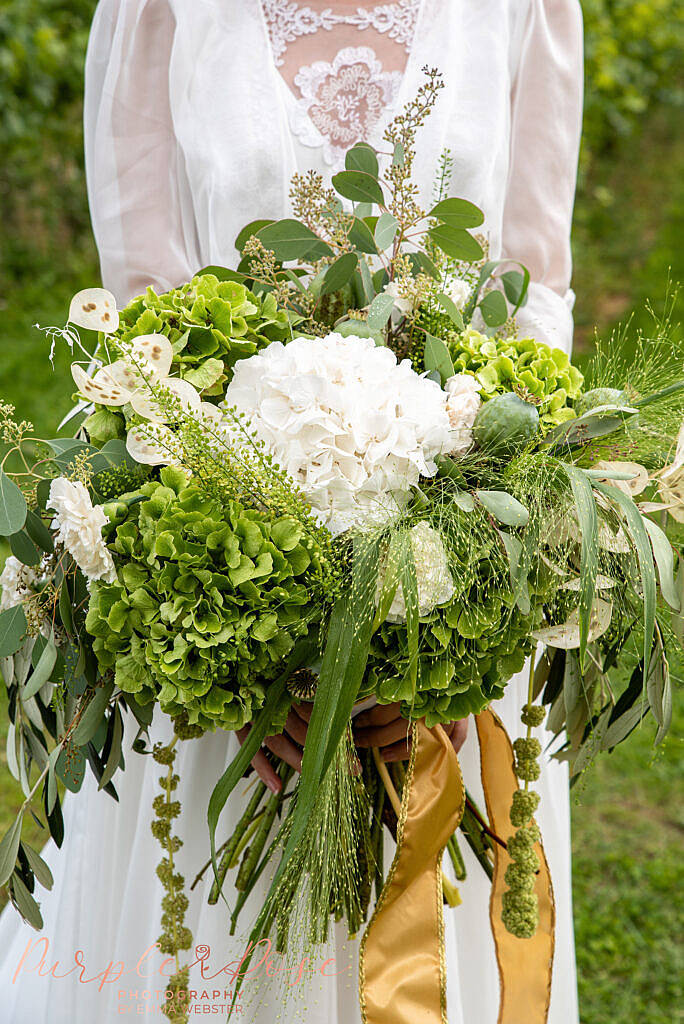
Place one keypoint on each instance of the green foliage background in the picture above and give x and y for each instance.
(628, 230)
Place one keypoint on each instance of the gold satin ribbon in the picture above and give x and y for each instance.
(402, 974)
(524, 964)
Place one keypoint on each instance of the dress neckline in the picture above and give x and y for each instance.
(284, 21)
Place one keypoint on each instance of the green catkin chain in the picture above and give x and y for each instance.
(520, 906)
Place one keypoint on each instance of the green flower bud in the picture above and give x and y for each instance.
(519, 878)
(527, 749)
(533, 715)
(520, 913)
(524, 805)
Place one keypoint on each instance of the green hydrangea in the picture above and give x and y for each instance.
(469, 650)
(208, 601)
(529, 367)
(210, 323)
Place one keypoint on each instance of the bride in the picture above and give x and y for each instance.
(197, 114)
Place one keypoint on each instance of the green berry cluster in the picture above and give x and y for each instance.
(175, 935)
(520, 909)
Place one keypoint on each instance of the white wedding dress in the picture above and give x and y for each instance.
(197, 114)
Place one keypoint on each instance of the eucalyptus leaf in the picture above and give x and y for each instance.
(664, 558)
(451, 309)
(92, 715)
(458, 213)
(71, 767)
(42, 671)
(38, 866)
(514, 551)
(225, 273)
(12, 630)
(494, 309)
(361, 236)
(398, 155)
(253, 228)
(620, 728)
(359, 186)
(515, 287)
(366, 282)
(12, 753)
(339, 273)
(38, 532)
(634, 522)
(358, 329)
(385, 230)
(291, 240)
(114, 757)
(380, 311)
(456, 242)
(504, 507)
(23, 548)
(26, 904)
(572, 684)
(361, 157)
(450, 468)
(421, 263)
(12, 506)
(437, 357)
(9, 848)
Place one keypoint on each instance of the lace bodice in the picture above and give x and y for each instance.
(343, 63)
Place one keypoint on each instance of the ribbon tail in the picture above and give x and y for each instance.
(525, 965)
(402, 973)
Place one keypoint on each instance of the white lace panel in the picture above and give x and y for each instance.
(343, 63)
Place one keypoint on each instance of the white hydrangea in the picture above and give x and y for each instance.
(463, 403)
(79, 528)
(351, 426)
(435, 582)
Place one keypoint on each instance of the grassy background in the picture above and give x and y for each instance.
(627, 811)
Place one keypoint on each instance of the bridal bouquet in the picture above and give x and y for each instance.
(338, 475)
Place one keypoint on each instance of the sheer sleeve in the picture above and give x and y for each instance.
(137, 189)
(545, 133)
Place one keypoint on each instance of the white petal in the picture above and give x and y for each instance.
(145, 404)
(102, 388)
(156, 350)
(94, 309)
(567, 635)
(147, 451)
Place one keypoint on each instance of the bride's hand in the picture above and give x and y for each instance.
(288, 746)
(383, 726)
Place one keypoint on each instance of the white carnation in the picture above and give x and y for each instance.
(459, 293)
(435, 582)
(463, 403)
(79, 528)
(16, 581)
(352, 427)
